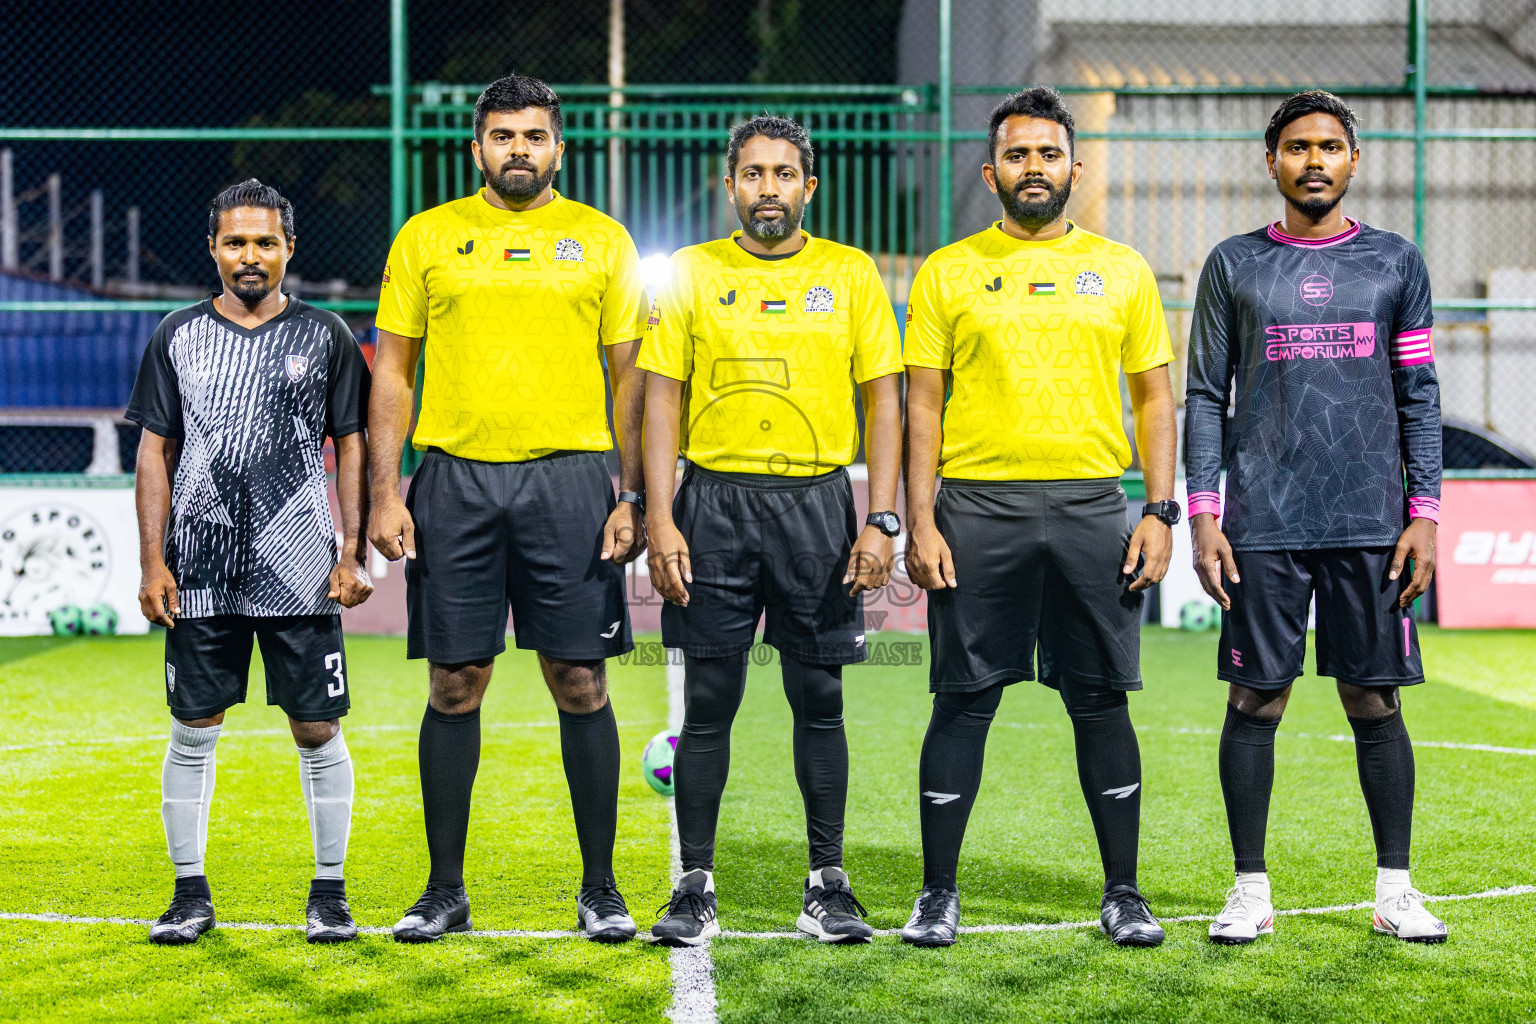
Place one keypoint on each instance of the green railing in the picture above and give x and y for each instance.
(886, 153)
(877, 164)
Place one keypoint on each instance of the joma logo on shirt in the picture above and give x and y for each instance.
(1319, 341)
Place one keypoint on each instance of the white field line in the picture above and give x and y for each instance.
(1485, 748)
(240, 734)
(236, 735)
(703, 1009)
(693, 973)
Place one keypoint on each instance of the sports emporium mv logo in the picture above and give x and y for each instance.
(1284, 342)
(1316, 290)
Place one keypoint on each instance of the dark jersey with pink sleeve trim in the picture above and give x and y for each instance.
(1336, 402)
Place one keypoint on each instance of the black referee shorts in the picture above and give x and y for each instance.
(490, 535)
(1038, 566)
(1363, 637)
(767, 544)
(208, 665)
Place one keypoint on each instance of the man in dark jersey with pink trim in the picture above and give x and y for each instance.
(1325, 324)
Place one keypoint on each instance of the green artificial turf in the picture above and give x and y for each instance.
(83, 725)
(80, 834)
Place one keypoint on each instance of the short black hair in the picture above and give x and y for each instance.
(251, 192)
(517, 92)
(771, 127)
(1043, 102)
(1314, 101)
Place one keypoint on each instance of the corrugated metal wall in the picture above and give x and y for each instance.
(67, 359)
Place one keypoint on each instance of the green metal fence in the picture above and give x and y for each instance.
(1172, 165)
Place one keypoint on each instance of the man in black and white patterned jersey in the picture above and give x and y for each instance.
(236, 396)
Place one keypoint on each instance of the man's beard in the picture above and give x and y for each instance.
(769, 233)
(516, 188)
(251, 290)
(1314, 207)
(1034, 214)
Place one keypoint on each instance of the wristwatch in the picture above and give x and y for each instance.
(1167, 511)
(888, 523)
(637, 497)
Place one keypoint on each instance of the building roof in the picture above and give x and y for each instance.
(1288, 56)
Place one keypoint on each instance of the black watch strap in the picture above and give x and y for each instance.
(888, 523)
(1168, 511)
(636, 497)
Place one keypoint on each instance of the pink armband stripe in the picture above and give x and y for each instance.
(1412, 347)
(1424, 508)
(1201, 502)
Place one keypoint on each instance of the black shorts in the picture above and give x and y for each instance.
(1363, 637)
(771, 544)
(1037, 563)
(528, 535)
(208, 661)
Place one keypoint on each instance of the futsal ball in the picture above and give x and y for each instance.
(99, 620)
(656, 762)
(1197, 616)
(66, 621)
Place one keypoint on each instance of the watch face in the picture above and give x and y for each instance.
(50, 556)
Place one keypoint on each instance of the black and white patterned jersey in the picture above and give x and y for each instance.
(250, 530)
(1336, 404)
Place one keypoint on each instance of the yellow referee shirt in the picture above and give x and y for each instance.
(1035, 335)
(513, 307)
(770, 350)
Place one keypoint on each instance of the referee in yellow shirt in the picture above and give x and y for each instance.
(753, 351)
(1027, 551)
(518, 296)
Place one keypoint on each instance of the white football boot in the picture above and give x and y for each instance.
(1247, 915)
(1402, 915)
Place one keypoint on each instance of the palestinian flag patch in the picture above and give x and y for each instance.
(516, 255)
(772, 306)
(1042, 288)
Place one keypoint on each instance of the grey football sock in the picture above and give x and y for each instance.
(325, 772)
(186, 790)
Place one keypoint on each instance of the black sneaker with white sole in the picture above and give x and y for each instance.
(831, 912)
(689, 918)
(441, 909)
(189, 915)
(1125, 917)
(935, 919)
(602, 915)
(327, 918)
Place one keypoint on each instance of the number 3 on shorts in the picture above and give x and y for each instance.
(339, 687)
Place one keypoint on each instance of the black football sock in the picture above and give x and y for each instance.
(449, 756)
(1109, 769)
(1384, 755)
(1246, 762)
(195, 886)
(589, 746)
(712, 691)
(948, 777)
(815, 694)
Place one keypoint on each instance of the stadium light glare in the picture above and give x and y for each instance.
(655, 270)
